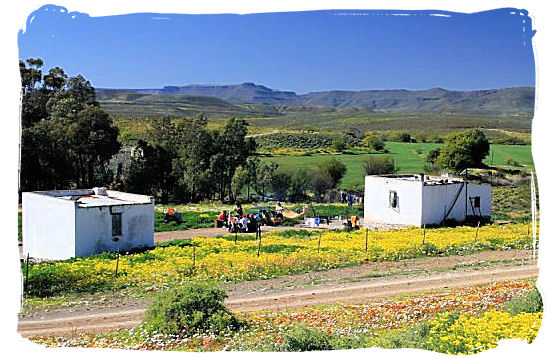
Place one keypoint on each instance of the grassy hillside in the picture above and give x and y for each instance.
(409, 157)
(138, 105)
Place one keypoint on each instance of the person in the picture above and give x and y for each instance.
(244, 223)
(221, 220)
(232, 225)
(354, 222)
(239, 210)
(279, 208)
(342, 196)
(252, 224)
(351, 200)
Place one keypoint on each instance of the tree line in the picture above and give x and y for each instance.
(66, 138)
(69, 141)
(183, 161)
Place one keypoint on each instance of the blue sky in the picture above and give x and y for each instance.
(300, 51)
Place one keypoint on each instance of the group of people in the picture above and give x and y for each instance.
(347, 198)
(240, 222)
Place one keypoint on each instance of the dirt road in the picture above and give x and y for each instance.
(346, 285)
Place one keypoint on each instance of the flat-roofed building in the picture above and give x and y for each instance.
(61, 224)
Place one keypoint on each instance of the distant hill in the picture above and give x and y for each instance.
(247, 92)
(141, 103)
(506, 100)
(249, 99)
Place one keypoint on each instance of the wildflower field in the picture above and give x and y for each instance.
(243, 257)
(459, 321)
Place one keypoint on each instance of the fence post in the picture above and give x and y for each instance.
(319, 243)
(424, 236)
(477, 229)
(259, 242)
(528, 225)
(367, 238)
(117, 256)
(236, 232)
(26, 274)
(194, 257)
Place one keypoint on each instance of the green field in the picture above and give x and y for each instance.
(409, 158)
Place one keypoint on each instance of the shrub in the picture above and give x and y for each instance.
(530, 303)
(302, 338)
(194, 308)
(339, 145)
(433, 155)
(404, 137)
(374, 142)
(379, 164)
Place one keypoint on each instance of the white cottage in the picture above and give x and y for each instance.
(61, 224)
(417, 199)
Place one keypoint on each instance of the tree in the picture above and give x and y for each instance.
(238, 181)
(299, 184)
(55, 79)
(251, 166)
(379, 164)
(335, 168)
(464, 150)
(95, 142)
(31, 75)
(264, 178)
(280, 182)
(321, 182)
(433, 155)
(150, 171)
(194, 149)
(67, 139)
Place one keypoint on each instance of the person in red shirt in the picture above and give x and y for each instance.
(221, 219)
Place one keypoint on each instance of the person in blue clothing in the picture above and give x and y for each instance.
(351, 200)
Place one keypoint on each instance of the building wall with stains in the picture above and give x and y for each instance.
(94, 228)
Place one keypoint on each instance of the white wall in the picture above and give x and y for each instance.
(420, 204)
(485, 192)
(376, 201)
(48, 227)
(94, 228)
(438, 199)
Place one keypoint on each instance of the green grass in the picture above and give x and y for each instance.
(409, 157)
(512, 202)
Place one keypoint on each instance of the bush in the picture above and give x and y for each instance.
(379, 164)
(374, 142)
(530, 303)
(339, 145)
(302, 338)
(194, 308)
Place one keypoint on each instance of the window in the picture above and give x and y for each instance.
(116, 223)
(477, 202)
(393, 199)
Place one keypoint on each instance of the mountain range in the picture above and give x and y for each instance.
(247, 96)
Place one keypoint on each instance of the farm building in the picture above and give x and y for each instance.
(61, 224)
(418, 199)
